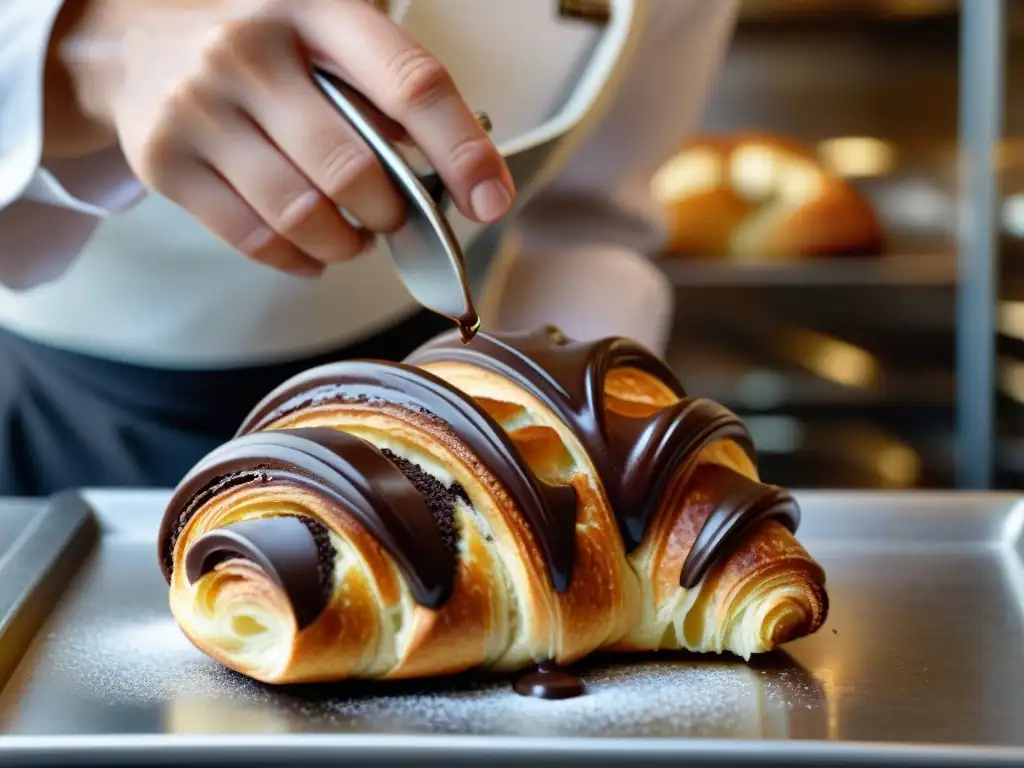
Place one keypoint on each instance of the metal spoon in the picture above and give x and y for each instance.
(428, 256)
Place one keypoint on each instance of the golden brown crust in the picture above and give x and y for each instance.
(837, 222)
(658, 562)
(503, 612)
(702, 224)
(331, 648)
(761, 196)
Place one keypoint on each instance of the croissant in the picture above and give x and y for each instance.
(520, 500)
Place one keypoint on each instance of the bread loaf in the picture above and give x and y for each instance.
(760, 197)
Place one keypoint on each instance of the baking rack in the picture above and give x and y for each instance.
(903, 394)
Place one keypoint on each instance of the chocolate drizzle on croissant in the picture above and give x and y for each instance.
(411, 514)
(342, 468)
(550, 510)
(635, 457)
(741, 504)
(285, 548)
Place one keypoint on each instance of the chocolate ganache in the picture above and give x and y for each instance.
(283, 547)
(548, 681)
(740, 504)
(549, 510)
(345, 470)
(634, 457)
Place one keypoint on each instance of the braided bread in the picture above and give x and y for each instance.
(517, 500)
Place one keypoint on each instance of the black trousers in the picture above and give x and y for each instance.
(69, 420)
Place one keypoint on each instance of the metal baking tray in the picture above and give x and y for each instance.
(920, 663)
(42, 546)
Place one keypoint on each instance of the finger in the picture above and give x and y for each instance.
(328, 150)
(218, 207)
(390, 129)
(409, 85)
(279, 193)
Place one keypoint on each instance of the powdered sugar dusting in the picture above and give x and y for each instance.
(638, 699)
(150, 661)
(124, 664)
(144, 660)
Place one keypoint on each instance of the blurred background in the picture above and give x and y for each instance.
(820, 206)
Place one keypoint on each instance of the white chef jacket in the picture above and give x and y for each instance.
(89, 261)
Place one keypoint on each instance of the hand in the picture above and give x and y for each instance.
(214, 107)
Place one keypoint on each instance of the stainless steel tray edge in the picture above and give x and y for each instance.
(1012, 546)
(37, 569)
(402, 749)
(992, 520)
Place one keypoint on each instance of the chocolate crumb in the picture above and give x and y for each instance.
(440, 499)
(325, 552)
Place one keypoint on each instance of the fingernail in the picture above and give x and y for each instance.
(257, 240)
(490, 200)
(351, 219)
(307, 270)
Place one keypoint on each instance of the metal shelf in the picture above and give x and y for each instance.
(833, 451)
(897, 270)
(981, 100)
(781, 11)
(775, 380)
(765, 360)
